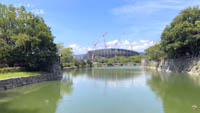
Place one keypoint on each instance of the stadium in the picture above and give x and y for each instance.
(110, 53)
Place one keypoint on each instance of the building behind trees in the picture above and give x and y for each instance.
(110, 53)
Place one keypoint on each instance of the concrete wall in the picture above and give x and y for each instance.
(17, 82)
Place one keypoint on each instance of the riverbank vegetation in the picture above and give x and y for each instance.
(25, 40)
(11, 69)
(68, 61)
(17, 74)
(119, 60)
(13, 72)
(179, 39)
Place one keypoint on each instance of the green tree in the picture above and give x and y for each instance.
(82, 63)
(89, 63)
(60, 47)
(66, 55)
(135, 59)
(122, 60)
(110, 61)
(25, 39)
(182, 36)
(77, 63)
(155, 52)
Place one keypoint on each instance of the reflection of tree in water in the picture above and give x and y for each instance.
(66, 85)
(106, 74)
(41, 98)
(178, 92)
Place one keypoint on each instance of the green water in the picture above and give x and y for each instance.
(107, 90)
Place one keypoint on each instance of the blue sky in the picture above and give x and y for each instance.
(130, 24)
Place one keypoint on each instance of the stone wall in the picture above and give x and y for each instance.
(184, 65)
(149, 64)
(22, 81)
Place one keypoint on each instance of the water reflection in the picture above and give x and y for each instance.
(113, 77)
(107, 90)
(66, 85)
(37, 98)
(106, 73)
(178, 92)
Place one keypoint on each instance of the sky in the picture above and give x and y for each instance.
(128, 24)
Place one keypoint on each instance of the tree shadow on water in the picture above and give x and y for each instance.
(178, 92)
(42, 98)
(5, 109)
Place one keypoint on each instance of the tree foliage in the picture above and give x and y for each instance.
(155, 52)
(182, 36)
(66, 55)
(136, 59)
(120, 60)
(60, 47)
(25, 39)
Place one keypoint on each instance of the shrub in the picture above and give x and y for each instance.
(67, 64)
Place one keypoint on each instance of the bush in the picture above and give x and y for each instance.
(67, 64)
(155, 53)
(98, 64)
(11, 69)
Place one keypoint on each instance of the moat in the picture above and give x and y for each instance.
(107, 90)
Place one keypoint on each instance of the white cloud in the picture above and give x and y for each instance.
(73, 46)
(139, 46)
(78, 49)
(134, 43)
(126, 42)
(173, 1)
(38, 11)
(27, 5)
(148, 7)
(114, 42)
(143, 41)
(30, 7)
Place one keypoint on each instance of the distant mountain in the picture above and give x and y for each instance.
(81, 56)
(143, 54)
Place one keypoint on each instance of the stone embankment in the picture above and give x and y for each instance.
(22, 81)
(55, 74)
(184, 65)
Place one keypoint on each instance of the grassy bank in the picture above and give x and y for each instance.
(17, 74)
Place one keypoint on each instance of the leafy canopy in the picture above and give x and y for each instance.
(25, 39)
(155, 52)
(182, 36)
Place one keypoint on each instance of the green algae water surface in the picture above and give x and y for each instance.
(107, 90)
